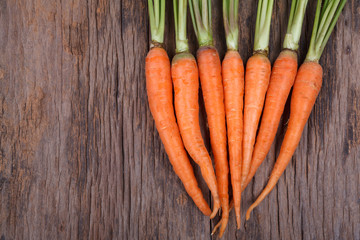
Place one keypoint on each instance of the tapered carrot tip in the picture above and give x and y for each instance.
(215, 209)
(222, 229)
(221, 221)
(248, 212)
(216, 228)
(238, 222)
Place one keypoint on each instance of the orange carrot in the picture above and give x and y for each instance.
(306, 89)
(258, 70)
(159, 90)
(281, 81)
(233, 79)
(257, 76)
(185, 77)
(211, 84)
(212, 88)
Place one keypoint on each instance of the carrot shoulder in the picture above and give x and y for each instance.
(257, 76)
(306, 89)
(185, 77)
(282, 79)
(159, 90)
(233, 79)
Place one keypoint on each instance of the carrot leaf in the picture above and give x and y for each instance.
(180, 8)
(157, 20)
(326, 17)
(200, 11)
(230, 14)
(262, 26)
(296, 18)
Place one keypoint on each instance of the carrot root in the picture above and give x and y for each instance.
(212, 87)
(233, 80)
(257, 76)
(185, 77)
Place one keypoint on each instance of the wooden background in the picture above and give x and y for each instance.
(79, 153)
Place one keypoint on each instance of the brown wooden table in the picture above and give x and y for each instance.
(79, 153)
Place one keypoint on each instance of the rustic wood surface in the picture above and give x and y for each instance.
(80, 157)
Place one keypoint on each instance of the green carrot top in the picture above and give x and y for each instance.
(201, 18)
(262, 27)
(326, 17)
(180, 25)
(297, 13)
(157, 20)
(230, 13)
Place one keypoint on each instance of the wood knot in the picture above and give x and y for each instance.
(348, 50)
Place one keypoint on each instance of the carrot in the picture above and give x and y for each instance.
(306, 89)
(233, 80)
(185, 78)
(159, 91)
(281, 80)
(211, 84)
(258, 70)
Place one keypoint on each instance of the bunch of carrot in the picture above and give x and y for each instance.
(234, 98)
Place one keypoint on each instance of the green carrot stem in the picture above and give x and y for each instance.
(324, 23)
(332, 25)
(180, 7)
(200, 11)
(230, 14)
(262, 27)
(296, 18)
(157, 20)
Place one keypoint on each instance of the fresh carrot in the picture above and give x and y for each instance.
(212, 87)
(306, 89)
(257, 76)
(281, 80)
(159, 91)
(185, 78)
(233, 80)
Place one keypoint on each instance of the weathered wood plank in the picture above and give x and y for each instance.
(79, 153)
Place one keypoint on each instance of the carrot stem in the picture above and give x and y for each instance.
(324, 23)
(296, 18)
(180, 25)
(200, 11)
(157, 20)
(262, 28)
(332, 25)
(230, 13)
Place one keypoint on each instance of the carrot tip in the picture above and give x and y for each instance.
(216, 227)
(215, 209)
(248, 214)
(238, 222)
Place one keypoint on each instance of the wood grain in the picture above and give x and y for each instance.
(80, 157)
